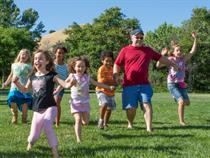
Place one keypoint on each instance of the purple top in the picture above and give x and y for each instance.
(176, 76)
(80, 92)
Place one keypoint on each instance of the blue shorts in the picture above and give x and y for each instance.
(60, 94)
(104, 99)
(133, 94)
(177, 92)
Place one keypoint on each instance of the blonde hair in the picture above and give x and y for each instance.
(19, 54)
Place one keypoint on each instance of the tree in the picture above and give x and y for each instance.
(107, 32)
(11, 41)
(16, 31)
(199, 66)
(10, 17)
(159, 39)
(197, 74)
(51, 31)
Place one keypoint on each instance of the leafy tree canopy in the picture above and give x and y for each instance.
(107, 32)
(10, 17)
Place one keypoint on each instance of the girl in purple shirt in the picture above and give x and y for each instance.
(175, 79)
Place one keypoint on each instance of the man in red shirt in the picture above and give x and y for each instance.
(135, 59)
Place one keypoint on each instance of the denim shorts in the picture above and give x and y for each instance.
(177, 92)
(60, 94)
(131, 95)
(108, 100)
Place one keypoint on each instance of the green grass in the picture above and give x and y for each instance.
(168, 140)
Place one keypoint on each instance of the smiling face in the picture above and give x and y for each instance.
(59, 54)
(177, 51)
(40, 61)
(24, 57)
(80, 67)
(107, 62)
(137, 40)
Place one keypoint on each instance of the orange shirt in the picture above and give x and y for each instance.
(105, 76)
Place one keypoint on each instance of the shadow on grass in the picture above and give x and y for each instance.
(3, 102)
(125, 150)
(39, 152)
(122, 136)
(203, 127)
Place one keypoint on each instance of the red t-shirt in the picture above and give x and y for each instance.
(135, 61)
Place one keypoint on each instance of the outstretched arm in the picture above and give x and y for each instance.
(193, 49)
(167, 62)
(92, 81)
(69, 82)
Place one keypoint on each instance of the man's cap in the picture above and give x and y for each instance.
(137, 31)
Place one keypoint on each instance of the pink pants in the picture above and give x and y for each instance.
(44, 120)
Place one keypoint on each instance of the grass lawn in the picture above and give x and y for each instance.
(169, 140)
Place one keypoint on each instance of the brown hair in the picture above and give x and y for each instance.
(60, 47)
(174, 44)
(72, 63)
(50, 65)
(107, 53)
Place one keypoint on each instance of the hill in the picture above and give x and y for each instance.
(47, 41)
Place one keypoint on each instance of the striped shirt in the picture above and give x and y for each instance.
(62, 71)
(105, 75)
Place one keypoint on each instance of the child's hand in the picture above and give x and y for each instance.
(3, 86)
(56, 91)
(164, 51)
(194, 35)
(112, 88)
(73, 82)
(15, 79)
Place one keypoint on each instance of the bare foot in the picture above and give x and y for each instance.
(79, 141)
(149, 130)
(130, 126)
(55, 152)
(106, 126)
(29, 147)
(14, 120)
(182, 123)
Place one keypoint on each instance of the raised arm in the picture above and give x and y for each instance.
(193, 49)
(163, 53)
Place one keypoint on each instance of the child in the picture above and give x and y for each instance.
(17, 99)
(42, 82)
(80, 106)
(175, 79)
(62, 69)
(106, 97)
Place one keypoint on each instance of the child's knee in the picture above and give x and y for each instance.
(181, 102)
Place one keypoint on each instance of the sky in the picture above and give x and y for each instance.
(59, 14)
